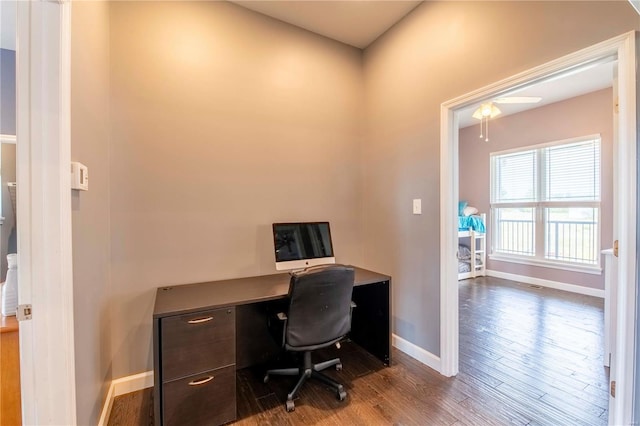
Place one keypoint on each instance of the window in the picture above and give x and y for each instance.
(545, 204)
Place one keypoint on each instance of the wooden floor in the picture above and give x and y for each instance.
(528, 356)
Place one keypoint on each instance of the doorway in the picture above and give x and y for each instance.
(545, 180)
(623, 49)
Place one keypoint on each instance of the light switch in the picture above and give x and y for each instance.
(417, 206)
(79, 176)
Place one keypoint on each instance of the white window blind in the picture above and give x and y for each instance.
(545, 202)
(572, 172)
(515, 177)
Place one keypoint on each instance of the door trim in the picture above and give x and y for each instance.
(45, 276)
(622, 47)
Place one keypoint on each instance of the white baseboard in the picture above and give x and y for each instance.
(133, 383)
(121, 386)
(548, 283)
(414, 351)
(106, 408)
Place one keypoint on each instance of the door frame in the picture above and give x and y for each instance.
(624, 48)
(45, 275)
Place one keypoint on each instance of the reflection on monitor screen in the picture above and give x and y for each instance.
(300, 245)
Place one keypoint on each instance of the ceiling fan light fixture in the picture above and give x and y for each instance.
(484, 113)
(486, 110)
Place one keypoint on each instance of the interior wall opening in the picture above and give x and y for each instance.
(528, 320)
(623, 48)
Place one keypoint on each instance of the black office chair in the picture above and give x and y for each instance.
(319, 315)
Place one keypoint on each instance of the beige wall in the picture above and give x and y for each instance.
(439, 51)
(223, 121)
(581, 116)
(90, 210)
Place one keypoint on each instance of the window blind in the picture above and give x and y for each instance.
(545, 202)
(572, 172)
(515, 177)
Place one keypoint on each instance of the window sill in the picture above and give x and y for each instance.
(594, 270)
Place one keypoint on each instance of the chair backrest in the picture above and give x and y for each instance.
(319, 306)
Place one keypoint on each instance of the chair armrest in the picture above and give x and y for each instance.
(277, 325)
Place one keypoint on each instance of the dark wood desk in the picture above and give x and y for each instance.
(204, 332)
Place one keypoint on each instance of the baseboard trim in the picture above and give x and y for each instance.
(588, 291)
(414, 351)
(106, 408)
(133, 383)
(121, 386)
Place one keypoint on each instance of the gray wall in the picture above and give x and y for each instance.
(90, 210)
(439, 51)
(636, 382)
(8, 154)
(581, 116)
(222, 122)
(7, 92)
(8, 174)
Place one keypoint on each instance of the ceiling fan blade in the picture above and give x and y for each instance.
(518, 100)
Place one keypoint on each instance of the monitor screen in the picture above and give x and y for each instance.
(299, 245)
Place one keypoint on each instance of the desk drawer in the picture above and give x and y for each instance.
(193, 343)
(208, 399)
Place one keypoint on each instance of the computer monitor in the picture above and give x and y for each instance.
(300, 245)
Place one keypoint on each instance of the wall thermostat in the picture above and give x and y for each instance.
(79, 176)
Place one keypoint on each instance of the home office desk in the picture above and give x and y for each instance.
(204, 332)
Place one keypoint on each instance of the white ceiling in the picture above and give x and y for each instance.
(357, 23)
(553, 90)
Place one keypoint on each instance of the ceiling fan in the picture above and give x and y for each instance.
(488, 110)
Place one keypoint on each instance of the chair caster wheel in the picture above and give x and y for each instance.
(290, 406)
(266, 378)
(338, 367)
(342, 395)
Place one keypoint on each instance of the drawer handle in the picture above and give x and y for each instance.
(200, 320)
(201, 381)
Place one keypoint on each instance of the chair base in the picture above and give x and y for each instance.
(309, 371)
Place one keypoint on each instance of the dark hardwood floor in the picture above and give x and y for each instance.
(528, 356)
